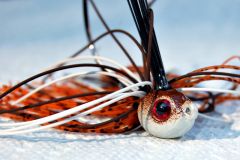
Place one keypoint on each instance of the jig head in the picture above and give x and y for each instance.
(167, 114)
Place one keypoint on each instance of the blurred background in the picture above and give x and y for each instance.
(191, 33)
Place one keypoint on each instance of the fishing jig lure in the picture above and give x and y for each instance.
(113, 98)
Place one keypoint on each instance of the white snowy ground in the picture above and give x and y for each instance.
(36, 34)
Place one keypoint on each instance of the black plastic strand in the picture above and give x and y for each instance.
(139, 11)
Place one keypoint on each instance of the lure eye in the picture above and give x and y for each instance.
(161, 110)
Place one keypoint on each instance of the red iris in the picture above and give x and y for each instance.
(161, 110)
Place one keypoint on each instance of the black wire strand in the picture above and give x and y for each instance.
(140, 10)
(202, 74)
(53, 101)
(63, 68)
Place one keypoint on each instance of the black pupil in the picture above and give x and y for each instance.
(162, 108)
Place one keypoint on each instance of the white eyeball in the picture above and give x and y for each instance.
(167, 114)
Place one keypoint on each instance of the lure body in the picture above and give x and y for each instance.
(165, 114)
(159, 111)
(145, 106)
